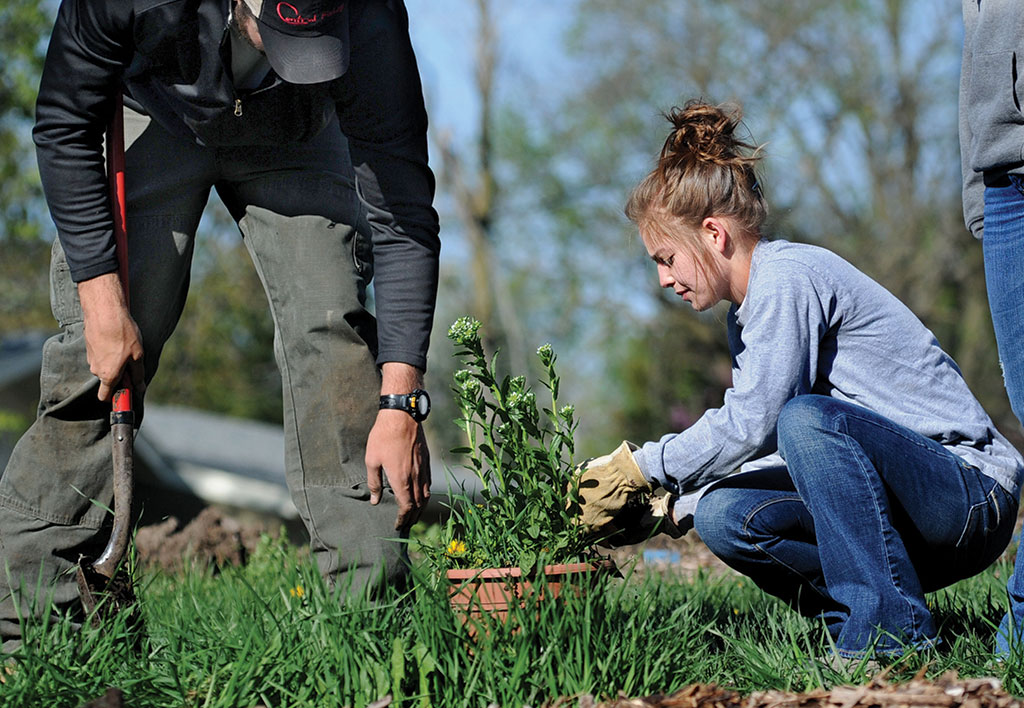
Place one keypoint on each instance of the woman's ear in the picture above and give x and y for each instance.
(716, 233)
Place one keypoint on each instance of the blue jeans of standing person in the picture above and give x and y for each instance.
(864, 519)
(1003, 246)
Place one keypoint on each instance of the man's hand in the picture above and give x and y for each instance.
(608, 484)
(113, 341)
(397, 447)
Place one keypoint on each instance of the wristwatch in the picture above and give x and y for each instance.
(416, 403)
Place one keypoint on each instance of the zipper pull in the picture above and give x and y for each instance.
(238, 107)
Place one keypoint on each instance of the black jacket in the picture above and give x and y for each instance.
(171, 60)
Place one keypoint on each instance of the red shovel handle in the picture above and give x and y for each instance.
(122, 418)
(115, 166)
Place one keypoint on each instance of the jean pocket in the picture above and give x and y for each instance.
(982, 519)
(1018, 182)
(987, 530)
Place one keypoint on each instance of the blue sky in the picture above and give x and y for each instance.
(444, 36)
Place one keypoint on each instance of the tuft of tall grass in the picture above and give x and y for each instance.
(272, 634)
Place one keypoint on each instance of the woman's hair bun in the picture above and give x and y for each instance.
(704, 169)
(703, 133)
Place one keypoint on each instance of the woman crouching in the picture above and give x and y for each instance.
(869, 474)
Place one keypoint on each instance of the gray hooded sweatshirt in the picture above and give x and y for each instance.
(991, 88)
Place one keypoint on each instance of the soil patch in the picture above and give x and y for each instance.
(113, 698)
(212, 538)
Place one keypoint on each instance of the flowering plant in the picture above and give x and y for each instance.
(523, 457)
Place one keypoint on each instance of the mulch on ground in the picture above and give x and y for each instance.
(945, 692)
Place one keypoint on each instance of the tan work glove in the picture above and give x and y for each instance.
(608, 484)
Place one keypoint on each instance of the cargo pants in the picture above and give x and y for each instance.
(304, 226)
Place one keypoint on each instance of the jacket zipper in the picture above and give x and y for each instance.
(238, 108)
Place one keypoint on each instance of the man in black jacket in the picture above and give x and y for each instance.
(307, 118)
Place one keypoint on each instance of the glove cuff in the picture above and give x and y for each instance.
(660, 507)
(630, 469)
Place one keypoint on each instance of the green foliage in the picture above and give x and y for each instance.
(25, 231)
(522, 457)
(273, 634)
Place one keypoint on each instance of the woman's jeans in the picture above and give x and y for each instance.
(864, 519)
(1003, 246)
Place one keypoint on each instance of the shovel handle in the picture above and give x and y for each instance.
(122, 418)
(119, 202)
(122, 434)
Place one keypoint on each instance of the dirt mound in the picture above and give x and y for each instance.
(212, 537)
(113, 698)
(945, 692)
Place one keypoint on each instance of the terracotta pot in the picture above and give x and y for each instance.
(480, 593)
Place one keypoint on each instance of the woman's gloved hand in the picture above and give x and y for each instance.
(607, 485)
(642, 519)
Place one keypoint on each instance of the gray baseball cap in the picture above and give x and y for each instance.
(306, 41)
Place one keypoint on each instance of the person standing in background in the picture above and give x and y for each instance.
(992, 160)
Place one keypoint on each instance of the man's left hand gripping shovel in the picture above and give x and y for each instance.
(104, 582)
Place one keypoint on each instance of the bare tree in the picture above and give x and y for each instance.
(474, 187)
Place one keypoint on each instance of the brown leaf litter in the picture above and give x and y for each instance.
(947, 691)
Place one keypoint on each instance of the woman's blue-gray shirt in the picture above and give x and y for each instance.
(813, 323)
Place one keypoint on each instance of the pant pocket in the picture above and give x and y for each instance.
(63, 292)
(987, 530)
(1018, 183)
(362, 246)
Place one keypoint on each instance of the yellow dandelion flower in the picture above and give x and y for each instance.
(297, 591)
(456, 547)
(735, 611)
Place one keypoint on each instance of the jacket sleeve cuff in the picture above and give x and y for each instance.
(403, 357)
(93, 270)
(977, 227)
(643, 464)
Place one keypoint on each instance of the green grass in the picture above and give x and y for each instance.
(245, 637)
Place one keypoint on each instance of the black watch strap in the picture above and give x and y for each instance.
(416, 403)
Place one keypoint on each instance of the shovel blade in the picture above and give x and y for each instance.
(104, 597)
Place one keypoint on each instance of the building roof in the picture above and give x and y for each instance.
(217, 458)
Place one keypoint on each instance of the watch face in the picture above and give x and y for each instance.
(421, 403)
